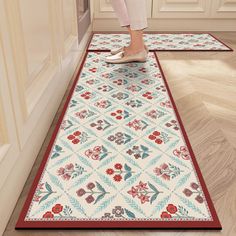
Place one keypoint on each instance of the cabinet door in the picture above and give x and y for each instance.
(9, 146)
(42, 36)
(181, 8)
(103, 9)
(223, 9)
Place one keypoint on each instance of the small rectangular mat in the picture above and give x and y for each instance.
(119, 156)
(161, 42)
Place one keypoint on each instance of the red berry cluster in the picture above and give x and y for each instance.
(73, 137)
(148, 95)
(86, 95)
(155, 137)
(118, 82)
(104, 88)
(117, 114)
(93, 70)
(143, 69)
(116, 177)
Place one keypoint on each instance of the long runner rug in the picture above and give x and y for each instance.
(119, 156)
(161, 41)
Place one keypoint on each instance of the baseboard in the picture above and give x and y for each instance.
(100, 24)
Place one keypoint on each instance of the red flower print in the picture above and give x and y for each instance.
(71, 137)
(117, 178)
(171, 208)
(69, 166)
(57, 209)
(157, 171)
(165, 214)
(194, 186)
(158, 141)
(90, 185)
(61, 171)
(144, 198)
(187, 192)
(48, 214)
(166, 177)
(66, 176)
(97, 149)
(75, 141)
(109, 171)
(199, 199)
(95, 157)
(88, 152)
(77, 133)
(118, 166)
(156, 133)
(164, 166)
(152, 137)
(142, 186)
(119, 111)
(80, 192)
(133, 191)
(89, 199)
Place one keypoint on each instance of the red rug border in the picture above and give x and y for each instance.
(162, 50)
(21, 224)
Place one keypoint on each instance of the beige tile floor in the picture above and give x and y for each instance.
(203, 85)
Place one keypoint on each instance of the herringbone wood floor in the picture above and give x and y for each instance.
(203, 85)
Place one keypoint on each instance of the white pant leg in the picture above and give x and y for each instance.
(137, 12)
(120, 9)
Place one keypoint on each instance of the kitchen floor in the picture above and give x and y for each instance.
(203, 85)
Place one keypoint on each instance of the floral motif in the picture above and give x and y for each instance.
(134, 88)
(139, 152)
(100, 192)
(120, 96)
(70, 171)
(103, 104)
(101, 125)
(182, 153)
(188, 192)
(119, 171)
(97, 153)
(159, 137)
(120, 114)
(43, 191)
(118, 212)
(58, 211)
(84, 114)
(173, 212)
(105, 88)
(86, 95)
(161, 88)
(137, 124)
(57, 151)
(166, 104)
(144, 193)
(120, 138)
(66, 124)
(167, 171)
(134, 103)
(120, 81)
(155, 114)
(173, 124)
(78, 137)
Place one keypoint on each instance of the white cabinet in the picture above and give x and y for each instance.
(224, 9)
(181, 8)
(39, 53)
